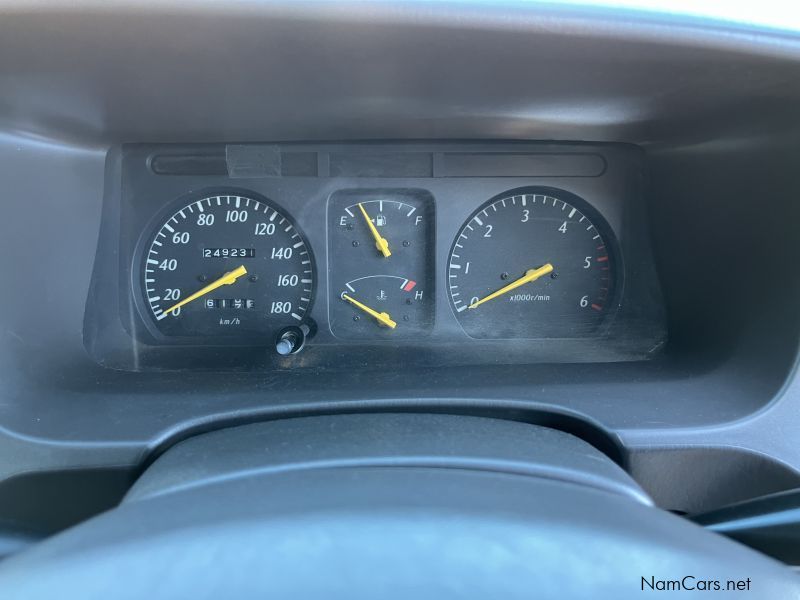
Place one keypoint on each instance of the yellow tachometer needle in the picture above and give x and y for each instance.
(382, 318)
(226, 279)
(530, 275)
(380, 243)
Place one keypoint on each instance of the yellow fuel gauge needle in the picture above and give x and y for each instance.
(530, 275)
(380, 243)
(382, 318)
(227, 279)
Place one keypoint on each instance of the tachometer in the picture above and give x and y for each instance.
(229, 266)
(532, 263)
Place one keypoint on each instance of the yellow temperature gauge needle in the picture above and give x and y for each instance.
(382, 318)
(380, 243)
(227, 279)
(530, 275)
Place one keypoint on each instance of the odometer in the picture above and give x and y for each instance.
(532, 263)
(230, 267)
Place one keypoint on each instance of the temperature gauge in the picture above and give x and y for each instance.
(380, 267)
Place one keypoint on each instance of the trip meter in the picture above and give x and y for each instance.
(229, 267)
(380, 253)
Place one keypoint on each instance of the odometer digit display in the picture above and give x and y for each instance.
(231, 267)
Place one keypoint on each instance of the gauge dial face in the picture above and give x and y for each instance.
(532, 264)
(229, 267)
(380, 264)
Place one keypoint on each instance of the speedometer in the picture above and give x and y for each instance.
(533, 263)
(230, 267)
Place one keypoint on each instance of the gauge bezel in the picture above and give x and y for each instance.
(401, 194)
(142, 245)
(600, 224)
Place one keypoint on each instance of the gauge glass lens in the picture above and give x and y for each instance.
(227, 266)
(380, 245)
(530, 264)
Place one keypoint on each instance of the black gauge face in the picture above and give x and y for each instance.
(532, 264)
(380, 263)
(229, 267)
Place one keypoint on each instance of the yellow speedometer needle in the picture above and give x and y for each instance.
(530, 275)
(380, 243)
(382, 318)
(227, 279)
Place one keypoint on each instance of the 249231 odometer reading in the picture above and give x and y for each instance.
(232, 267)
(531, 264)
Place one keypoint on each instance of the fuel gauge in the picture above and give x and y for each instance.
(380, 263)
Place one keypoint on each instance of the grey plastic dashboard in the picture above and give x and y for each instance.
(713, 111)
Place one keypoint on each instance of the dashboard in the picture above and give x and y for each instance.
(338, 254)
(541, 257)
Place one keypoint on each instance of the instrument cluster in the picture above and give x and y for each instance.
(299, 254)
